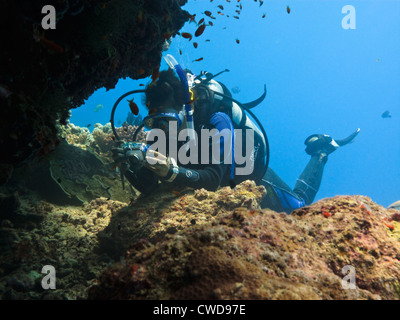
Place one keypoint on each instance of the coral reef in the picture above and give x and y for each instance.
(242, 252)
(61, 236)
(197, 244)
(62, 202)
(80, 170)
(47, 72)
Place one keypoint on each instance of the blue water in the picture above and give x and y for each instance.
(320, 78)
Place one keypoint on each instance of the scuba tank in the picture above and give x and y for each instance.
(219, 94)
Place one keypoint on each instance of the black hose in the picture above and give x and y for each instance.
(256, 102)
(115, 107)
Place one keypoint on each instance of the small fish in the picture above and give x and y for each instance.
(141, 85)
(186, 35)
(180, 51)
(235, 90)
(201, 21)
(199, 59)
(195, 44)
(236, 17)
(98, 108)
(207, 13)
(263, 16)
(220, 13)
(237, 41)
(221, 7)
(200, 30)
(288, 9)
(386, 114)
(88, 125)
(261, 3)
(191, 17)
(210, 23)
(133, 106)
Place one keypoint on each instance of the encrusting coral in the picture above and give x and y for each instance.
(234, 250)
(80, 170)
(198, 244)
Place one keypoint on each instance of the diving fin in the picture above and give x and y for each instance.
(322, 143)
(349, 139)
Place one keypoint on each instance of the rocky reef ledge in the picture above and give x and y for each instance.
(196, 244)
(47, 72)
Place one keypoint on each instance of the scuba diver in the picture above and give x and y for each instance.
(196, 103)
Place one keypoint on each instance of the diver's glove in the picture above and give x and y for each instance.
(165, 167)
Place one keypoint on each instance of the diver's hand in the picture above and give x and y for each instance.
(158, 163)
(118, 155)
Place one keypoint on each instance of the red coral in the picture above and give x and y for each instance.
(326, 214)
(390, 226)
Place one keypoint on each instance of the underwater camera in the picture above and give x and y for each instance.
(135, 152)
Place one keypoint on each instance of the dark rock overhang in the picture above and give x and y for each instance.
(45, 73)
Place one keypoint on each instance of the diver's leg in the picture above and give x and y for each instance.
(318, 146)
(310, 179)
(279, 196)
(274, 179)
